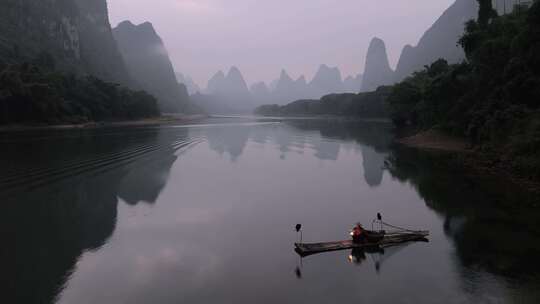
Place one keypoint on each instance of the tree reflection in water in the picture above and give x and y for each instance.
(491, 222)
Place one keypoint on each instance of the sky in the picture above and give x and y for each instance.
(261, 37)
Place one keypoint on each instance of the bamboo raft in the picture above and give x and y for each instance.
(389, 239)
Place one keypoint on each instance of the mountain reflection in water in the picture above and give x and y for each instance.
(209, 211)
(50, 227)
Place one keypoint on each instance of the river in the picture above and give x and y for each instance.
(206, 213)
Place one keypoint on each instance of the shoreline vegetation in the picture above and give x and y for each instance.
(165, 119)
(37, 93)
(462, 153)
(436, 141)
(486, 107)
(361, 105)
(491, 100)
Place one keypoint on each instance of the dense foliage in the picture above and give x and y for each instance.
(492, 98)
(363, 105)
(32, 94)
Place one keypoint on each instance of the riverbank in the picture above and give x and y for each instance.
(435, 140)
(168, 119)
(477, 163)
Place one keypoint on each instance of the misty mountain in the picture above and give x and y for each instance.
(212, 104)
(286, 89)
(439, 41)
(284, 83)
(231, 90)
(235, 85)
(191, 86)
(261, 91)
(260, 88)
(353, 84)
(216, 83)
(327, 80)
(148, 63)
(377, 68)
(76, 33)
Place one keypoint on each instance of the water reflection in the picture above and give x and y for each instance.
(49, 231)
(326, 138)
(229, 139)
(146, 178)
(68, 239)
(373, 162)
(49, 227)
(493, 226)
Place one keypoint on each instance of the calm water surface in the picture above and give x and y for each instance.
(206, 214)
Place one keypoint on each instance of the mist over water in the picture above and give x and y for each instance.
(206, 213)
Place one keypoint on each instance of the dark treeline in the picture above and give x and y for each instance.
(492, 98)
(363, 105)
(477, 212)
(36, 93)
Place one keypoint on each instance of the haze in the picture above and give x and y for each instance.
(262, 37)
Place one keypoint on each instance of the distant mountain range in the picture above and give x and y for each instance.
(232, 92)
(78, 36)
(231, 88)
(439, 41)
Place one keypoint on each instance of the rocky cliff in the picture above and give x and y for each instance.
(76, 34)
(377, 69)
(148, 63)
(32, 27)
(99, 53)
(439, 41)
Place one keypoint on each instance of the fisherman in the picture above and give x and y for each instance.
(359, 234)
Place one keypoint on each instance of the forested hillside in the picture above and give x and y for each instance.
(60, 64)
(362, 105)
(493, 97)
(32, 94)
